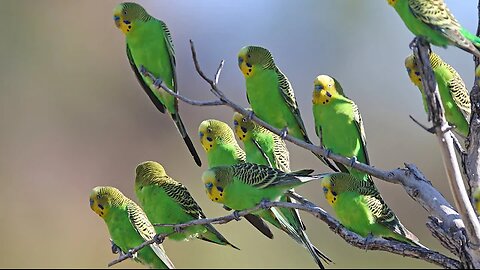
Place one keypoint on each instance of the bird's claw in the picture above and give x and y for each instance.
(329, 152)
(159, 238)
(158, 83)
(131, 254)
(143, 70)
(236, 216)
(227, 208)
(115, 249)
(413, 43)
(264, 204)
(353, 160)
(368, 239)
(284, 133)
(250, 115)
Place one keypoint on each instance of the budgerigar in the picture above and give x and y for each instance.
(150, 46)
(360, 208)
(432, 20)
(271, 95)
(219, 143)
(266, 148)
(245, 185)
(128, 226)
(452, 89)
(338, 123)
(166, 201)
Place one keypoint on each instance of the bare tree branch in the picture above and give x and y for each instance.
(352, 238)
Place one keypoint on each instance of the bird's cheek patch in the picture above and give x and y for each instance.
(216, 194)
(207, 143)
(331, 199)
(321, 97)
(247, 69)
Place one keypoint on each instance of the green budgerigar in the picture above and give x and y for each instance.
(219, 143)
(338, 123)
(128, 226)
(149, 46)
(266, 148)
(271, 95)
(452, 89)
(360, 208)
(433, 21)
(166, 201)
(245, 185)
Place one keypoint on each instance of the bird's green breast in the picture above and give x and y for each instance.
(255, 155)
(417, 27)
(148, 48)
(126, 237)
(239, 196)
(266, 100)
(222, 155)
(353, 213)
(339, 131)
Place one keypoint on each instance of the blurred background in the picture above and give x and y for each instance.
(72, 116)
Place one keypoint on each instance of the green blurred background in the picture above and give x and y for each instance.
(72, 116)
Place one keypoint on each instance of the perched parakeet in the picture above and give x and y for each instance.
(271, 95)
(360, 208)
(219, 143)
(452, 89)
(245, 185)
(166, 201)
(338, 123)
(128, 226)
(432, 20)
(149, 45)
(266, 148)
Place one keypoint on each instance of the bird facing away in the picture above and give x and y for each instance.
(266, 148)
(433, 21)
(271, 95)
(166, 201)
(128, 226)
(149, 45)
(452, 89)
(360, 208)
(338, 123)
(219, 143)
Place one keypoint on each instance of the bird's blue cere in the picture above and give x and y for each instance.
(240, 60)
(116, 18)
(318, 87)
(208, 185)
(325, 190)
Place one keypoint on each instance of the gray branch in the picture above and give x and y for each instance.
(352, 238)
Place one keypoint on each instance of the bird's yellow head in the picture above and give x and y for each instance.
(102, 199)
(329, 192)
(325, 89)
(392, 2)
(126, 16)
(477, 75)
(252, 58)
(412, 70)
(149, 172)
(215, 181)
(213, 132)
(243, 126)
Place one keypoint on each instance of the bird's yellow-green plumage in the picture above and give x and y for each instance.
(338, 123)
(128, 226)
(433, 21)
(360, 208)
(452, 89)
(266, 148)
(476, 199)
(166, 201)
(218, 141)
(271, 95)
(149, 45)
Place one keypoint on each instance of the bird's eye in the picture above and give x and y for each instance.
(125, 12)
(240, 60)
(235, 122)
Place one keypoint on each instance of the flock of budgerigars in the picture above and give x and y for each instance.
(239, 179)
